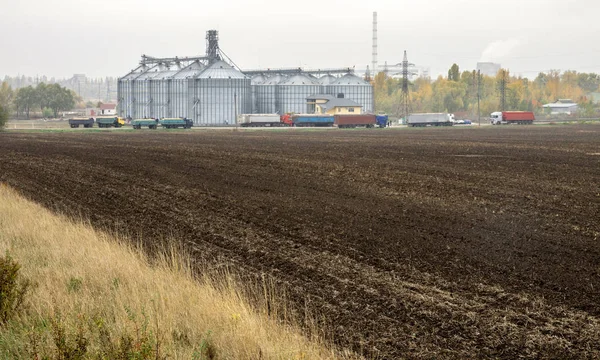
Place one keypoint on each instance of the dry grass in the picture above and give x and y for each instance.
(93, 284)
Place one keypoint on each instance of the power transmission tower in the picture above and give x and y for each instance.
(405, 100)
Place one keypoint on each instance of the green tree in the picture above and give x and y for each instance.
(62, 99)
(454, 73)
(3, 117)
(25, 100)
(7, 96)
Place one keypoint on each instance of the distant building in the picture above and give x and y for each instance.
(328, 104)
(108, 109)
(562, 106)
(488, 68)
(595, 97)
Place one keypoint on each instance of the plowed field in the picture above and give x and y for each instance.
(433, 243)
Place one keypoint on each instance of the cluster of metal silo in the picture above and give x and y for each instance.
(211, 92)
(280, 94)
(209, 95)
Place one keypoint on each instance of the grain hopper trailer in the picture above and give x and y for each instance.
(174, 123)
(140, 123)
(85, 122)
(352, 121)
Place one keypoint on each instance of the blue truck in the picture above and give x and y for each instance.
(382, 120)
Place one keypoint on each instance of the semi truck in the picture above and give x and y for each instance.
(86, 122)
(352, 121)
(430, 119)
(139, 123)
(174, 123)
(512, 117)
(256, 120)
(110, 121)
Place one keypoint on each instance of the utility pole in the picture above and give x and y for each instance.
(502, 87)
(478, 95)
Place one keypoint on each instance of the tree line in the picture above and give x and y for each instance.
(458, 92)
(50, 99)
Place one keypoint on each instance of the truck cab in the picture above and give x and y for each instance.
(496, 118)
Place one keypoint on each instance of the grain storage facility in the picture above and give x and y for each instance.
(354, 88)
(212, 92)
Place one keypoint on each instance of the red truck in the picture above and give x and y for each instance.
(352, 121)
(512, 117)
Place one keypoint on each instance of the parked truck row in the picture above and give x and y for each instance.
(313, 120)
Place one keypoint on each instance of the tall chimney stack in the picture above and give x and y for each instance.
(374, 61)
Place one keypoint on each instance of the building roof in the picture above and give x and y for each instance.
(300, 79)
(108, 106)
(320, 97)
(339, 102)
(558, 105)
(220, 70)
(350, 79)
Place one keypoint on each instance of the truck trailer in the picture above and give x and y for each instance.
(430, 119)
(139, 123)
(258, 120)
(86, 122)
(352, 121)
(174, 123)
(512, 117)
(312, 120)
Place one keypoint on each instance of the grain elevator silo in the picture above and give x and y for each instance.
(293, 91)
(353, 87)
(220, 94)
(266, 95)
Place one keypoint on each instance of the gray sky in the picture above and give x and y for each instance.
(106, 37)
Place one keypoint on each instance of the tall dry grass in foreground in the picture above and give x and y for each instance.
(95, 293)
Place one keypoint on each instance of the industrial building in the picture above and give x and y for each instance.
(562, 106)
(213, 92)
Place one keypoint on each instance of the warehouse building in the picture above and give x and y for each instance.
(562, 106)
(212, 92)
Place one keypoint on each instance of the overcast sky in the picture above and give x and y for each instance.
(107, 37)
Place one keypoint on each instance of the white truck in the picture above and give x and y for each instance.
(430, 119)
(253, 120)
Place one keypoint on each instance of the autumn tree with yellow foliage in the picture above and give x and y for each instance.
(458, 93)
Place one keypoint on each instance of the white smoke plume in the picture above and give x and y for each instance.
(500, 49)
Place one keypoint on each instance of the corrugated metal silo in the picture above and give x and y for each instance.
(256, 80)
(130, 89)
(327, 79)
(266, 100)
(220, 92)
(354, 88)
(159, 93)
(181, 90)
(141, 93)
(293, 91)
